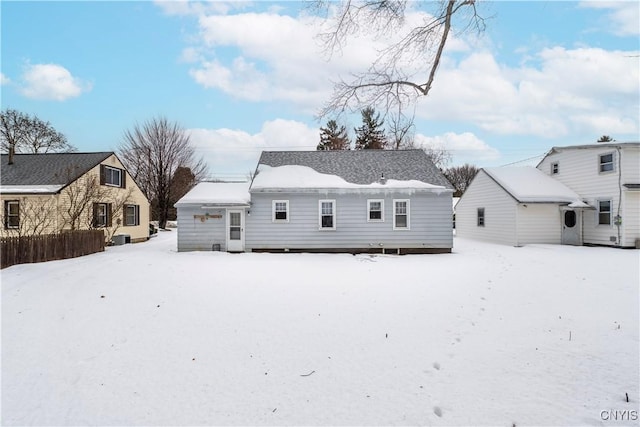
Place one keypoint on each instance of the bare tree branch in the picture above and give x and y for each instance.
(402, 72)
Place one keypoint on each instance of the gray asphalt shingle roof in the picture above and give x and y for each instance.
(362, 166)
(47, 169)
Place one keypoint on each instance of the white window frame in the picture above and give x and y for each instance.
(612, 162)
(273, 210)
(9, 215)
(107, 170)
(333, 214)
(407, 213)
(555, 168)
(480, 217)
(104, 207)
(610, 212)
(136, 215)
(369, 202)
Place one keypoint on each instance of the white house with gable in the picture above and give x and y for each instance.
(378, 201)
(585, 194)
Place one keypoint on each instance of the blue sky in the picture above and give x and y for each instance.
(246, 76)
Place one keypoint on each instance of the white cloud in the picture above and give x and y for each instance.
(464, 147)
(623, 17)
(281, 58)
(4, 80)
(555, 91)
(565, 91)
(51, 82)
(232, 154)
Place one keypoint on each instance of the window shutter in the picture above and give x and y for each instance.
(137, 215)
(108, 214)
(95, 215)
(6, 215)
(123, 181)
(102, 174)
(124, 215)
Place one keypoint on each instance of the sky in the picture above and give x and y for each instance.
(242, 77)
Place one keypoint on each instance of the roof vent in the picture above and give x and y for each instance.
(383, 180)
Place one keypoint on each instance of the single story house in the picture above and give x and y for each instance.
(519, 205)
(379, 201)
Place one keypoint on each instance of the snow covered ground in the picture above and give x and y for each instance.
(488, 335)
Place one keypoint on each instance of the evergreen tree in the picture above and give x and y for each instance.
(371, 134)
(605, 138)
(333, 137)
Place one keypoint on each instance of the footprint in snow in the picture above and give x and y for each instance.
(437, 411)
(436, 365)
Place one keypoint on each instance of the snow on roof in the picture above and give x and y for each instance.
(304, 177)
(30, 189)
(528, 184)
(217, 193)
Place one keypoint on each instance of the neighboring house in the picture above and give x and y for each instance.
(48, 193)
(585, 194)
(515, 206)
(607, 177)
(324, 201)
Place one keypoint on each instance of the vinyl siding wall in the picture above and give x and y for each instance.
(500, 211)
(196, 232)
(579, 170)
(539, 223)
(430, 222)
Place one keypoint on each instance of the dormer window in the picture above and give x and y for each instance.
(113, 177)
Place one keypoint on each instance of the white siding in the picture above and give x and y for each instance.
(579, 170)
(430, 222)
(631, 218)
(196, 232)
(499, 212)
(539, 223)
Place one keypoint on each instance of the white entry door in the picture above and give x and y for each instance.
(235, 231)
(572, 227)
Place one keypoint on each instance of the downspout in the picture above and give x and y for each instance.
(517, 231)
(618, 218)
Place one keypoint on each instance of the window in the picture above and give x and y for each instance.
(555, 168)
(606, 162)
(131, 215)
(11, 214)
(480, 217)
(400, 214)
(327, 214)
(112, 177)
(375, 210)
(604, 212)
(280, 211)
(102, 214)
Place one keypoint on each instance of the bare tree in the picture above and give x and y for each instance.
(152, 152)
(334, 137)
(77, 203)
(460, 177)
(401, 131)
(406, 69)
(440, 156)
(22, 133)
